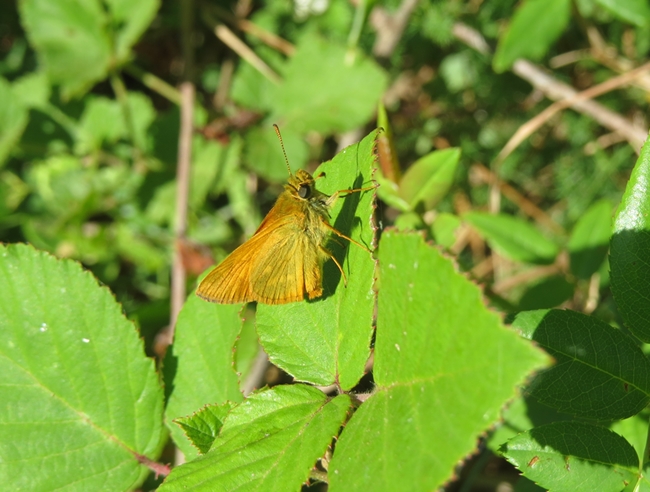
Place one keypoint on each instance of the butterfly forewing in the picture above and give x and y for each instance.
(287, 271)
(277, 265)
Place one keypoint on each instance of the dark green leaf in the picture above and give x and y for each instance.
(13, 119)
(549, 292)
(630, 250)
(599, 372)
(574, 456)
(590, 239)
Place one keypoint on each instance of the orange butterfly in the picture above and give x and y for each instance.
(283, 261)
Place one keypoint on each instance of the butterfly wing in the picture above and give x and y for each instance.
(229, 282)
(288, 270)
(280, 263)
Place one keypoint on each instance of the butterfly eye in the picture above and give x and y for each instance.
(304, 191)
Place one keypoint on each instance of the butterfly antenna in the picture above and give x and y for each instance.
(286, 159)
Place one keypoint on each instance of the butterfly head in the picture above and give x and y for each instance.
(302, 186)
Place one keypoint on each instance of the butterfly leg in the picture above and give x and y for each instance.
(340, 234)
(329, 254)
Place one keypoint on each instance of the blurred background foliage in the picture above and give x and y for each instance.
(89, 125)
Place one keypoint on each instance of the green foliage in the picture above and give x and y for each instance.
(629, 250)
(535, 26)
(513, 237)
(199, 368)
(82, 400)
(414, 372)
(578, 456)
(436, 382)
(270, 442)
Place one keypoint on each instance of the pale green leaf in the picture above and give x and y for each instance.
(635, 12)
(590, 239)
(513, 237)
(429, 178)
(268, 443)
(534, 27)
(71, 39)
(569, 456)
(203, 427)
(84, 400)
(198, 368)
(323, 93)
(13, 119)
(263, 152)
(444, 367)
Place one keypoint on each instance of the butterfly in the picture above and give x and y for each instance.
(283, 260)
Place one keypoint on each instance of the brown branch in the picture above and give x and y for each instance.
(270, 39)
(231, 40)
(390, 27)
(556, 90)
(577, 100)
(186, 90)
(255, 378)
(158, 468)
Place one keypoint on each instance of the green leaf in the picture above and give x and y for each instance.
(203, 427)
(133, 17)
(428, 180)
(327, 340)
(270, 442)
(13, 119)
(198, 368)
(444, 367)
(313, 97)
(574, 456)
(459, 71)
(547, 293)
(388, 192)
(71, 39)
(590, 239)
(535, 26)
(599, 372)
(102, 121)
(444, 229)
(85, 401)
(263, 152)
(635, 12)
(247, 348)
(522, 414)
(630, 250)
(513, 237)
(207, 164)
(80, 41)
(33, 90)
